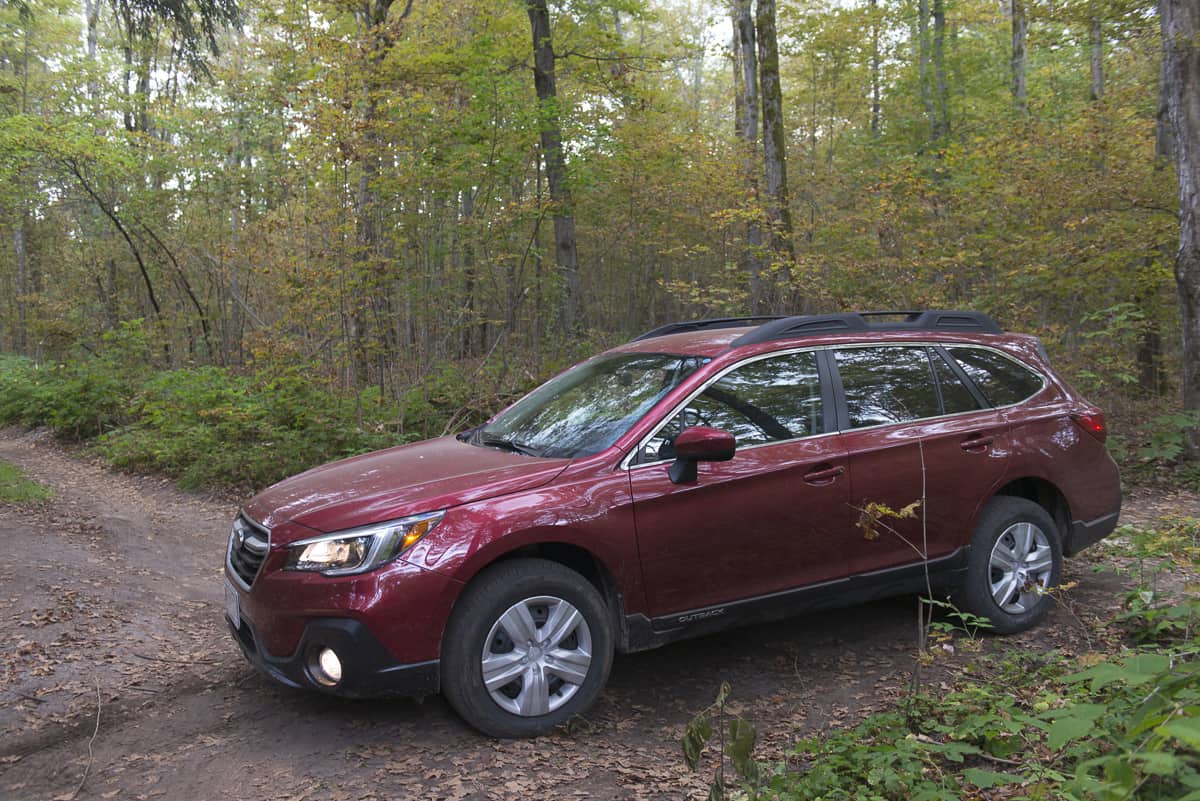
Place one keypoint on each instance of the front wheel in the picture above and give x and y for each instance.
(1015, 558)
(528, 646)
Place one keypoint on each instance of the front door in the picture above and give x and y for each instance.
(766, 521)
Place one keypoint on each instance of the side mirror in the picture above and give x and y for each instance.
(699, 444)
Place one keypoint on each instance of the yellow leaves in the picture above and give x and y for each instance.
(871, 517)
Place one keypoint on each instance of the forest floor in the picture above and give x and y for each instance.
(120, 678)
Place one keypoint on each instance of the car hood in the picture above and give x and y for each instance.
(385, 485)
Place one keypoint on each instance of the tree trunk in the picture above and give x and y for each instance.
(470, 313)
(1097, 85)
(232, 341)
(745, 123)
(1019, 30)
(1181, 29)
(22, 282)
(941, 101)
(92, 16)
(373, 16)
(565, 254)
(876, 83)
(1151, 376)
(1164, 135)
(923, 63)
(779, 210)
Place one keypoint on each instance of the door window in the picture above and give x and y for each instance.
(768, 400)
(887, 385)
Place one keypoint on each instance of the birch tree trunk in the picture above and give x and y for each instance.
(566, 256)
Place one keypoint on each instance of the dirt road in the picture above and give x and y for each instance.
(111, 603)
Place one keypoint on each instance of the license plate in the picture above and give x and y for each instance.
(233, 605)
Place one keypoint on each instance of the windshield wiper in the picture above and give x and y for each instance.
(493, 441)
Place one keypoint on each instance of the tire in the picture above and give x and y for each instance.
(1015, 550)
(498, 626)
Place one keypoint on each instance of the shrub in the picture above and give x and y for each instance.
(206, 426)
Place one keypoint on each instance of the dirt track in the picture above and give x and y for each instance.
(111, 601)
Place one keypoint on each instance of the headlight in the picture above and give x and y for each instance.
(359, 549)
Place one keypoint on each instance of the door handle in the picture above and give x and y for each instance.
(976, 443)
(824, 474)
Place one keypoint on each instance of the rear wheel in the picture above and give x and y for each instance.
(528, 646)
(1015, 558)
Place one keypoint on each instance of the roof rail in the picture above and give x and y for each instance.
(705, 325)
(811, 324)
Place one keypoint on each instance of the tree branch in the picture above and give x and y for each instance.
(111, 214)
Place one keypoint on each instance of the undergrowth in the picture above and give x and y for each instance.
(1109, 725)
(212, 426)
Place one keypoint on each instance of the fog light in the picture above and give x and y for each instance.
(325, 667)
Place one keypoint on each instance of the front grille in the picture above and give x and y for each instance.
(248, 545)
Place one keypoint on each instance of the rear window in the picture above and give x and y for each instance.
(1001, 380)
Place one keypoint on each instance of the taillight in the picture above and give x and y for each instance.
(1092, 421)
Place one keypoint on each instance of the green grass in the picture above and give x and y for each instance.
(16, 488)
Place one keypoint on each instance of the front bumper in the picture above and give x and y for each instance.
(368, 669)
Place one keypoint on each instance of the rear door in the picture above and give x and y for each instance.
(765, 521)
(922, 453)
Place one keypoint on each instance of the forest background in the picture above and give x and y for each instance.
(242, 239)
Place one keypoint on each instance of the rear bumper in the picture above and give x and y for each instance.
(1088, 532)
(368, 669)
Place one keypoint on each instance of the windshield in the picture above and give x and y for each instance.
(586, 409)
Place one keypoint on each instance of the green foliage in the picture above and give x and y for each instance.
(1101, 727)
(80, 398)
(1098, 733)
(1168, 435)
(1153, 614)
(955, 620)
(213, 428)
(253, 213)
(16, 488)
(208, 426)
(1110, 345)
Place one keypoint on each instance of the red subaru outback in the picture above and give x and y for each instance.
(706, 474)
